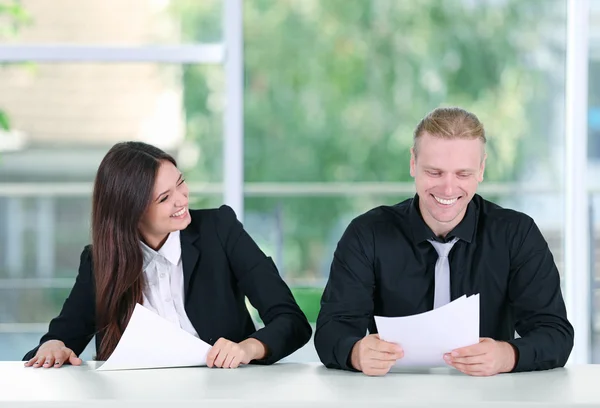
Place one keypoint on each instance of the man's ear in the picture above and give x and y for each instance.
(413, 160)
(482, 168)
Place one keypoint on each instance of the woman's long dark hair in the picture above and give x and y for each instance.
(122, 192)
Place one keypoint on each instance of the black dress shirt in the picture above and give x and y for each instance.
(222, 266)
(385, 266)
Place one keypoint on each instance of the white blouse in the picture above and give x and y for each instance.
(163, 288)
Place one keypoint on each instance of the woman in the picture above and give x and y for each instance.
(193, 267)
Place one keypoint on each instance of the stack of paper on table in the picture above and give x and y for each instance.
(426, 337)
(149, 341)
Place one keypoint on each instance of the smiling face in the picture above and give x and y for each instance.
(168, 210)
(447, 172)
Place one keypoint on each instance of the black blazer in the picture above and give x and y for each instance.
(221, 266)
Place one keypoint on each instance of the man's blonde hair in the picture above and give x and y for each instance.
(450, 123)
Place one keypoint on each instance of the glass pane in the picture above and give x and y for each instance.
(335, 89)
(71, 113)
(110, 22)
(63, 118)
(31, 304)
(342, 85)
(593, 175)
(595, 278)
(301, 233)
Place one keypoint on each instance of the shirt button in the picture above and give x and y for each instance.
(162, 275)
(167, 300)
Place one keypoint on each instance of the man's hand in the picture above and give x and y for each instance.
(488, 357)
(373, 356)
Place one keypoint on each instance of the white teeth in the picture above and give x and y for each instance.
(179, 213)
(445, 202)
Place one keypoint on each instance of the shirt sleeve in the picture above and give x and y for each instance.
(347, 303)
(546, 336)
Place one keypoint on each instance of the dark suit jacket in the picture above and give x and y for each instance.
(221, 266)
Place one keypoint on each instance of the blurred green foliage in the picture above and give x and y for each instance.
(12, 17)
(333, 90)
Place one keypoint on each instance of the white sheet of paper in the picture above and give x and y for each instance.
(426, 337)
(149, 341)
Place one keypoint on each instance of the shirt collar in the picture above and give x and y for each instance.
(171, 250)
(465, 230)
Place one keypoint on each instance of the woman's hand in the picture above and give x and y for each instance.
(227, 354)
(53, 353)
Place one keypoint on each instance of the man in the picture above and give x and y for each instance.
(387, 264)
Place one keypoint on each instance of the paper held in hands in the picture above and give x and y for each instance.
(426, 337)
(149, 341)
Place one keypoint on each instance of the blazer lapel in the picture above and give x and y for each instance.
(189, 256)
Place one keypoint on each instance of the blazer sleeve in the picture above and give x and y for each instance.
(75, 325)
(536, 299)
(286, 327)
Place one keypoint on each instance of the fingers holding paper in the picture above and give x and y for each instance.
(228, 354)
(486, 358)
(373, 356)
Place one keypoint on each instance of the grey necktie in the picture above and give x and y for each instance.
(442, 273)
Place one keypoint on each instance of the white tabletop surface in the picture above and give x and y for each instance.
(292, 385)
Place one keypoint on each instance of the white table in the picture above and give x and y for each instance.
(292, 385)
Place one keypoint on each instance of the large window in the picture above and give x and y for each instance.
(78, 77)
(331, 92)
(334, 90)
